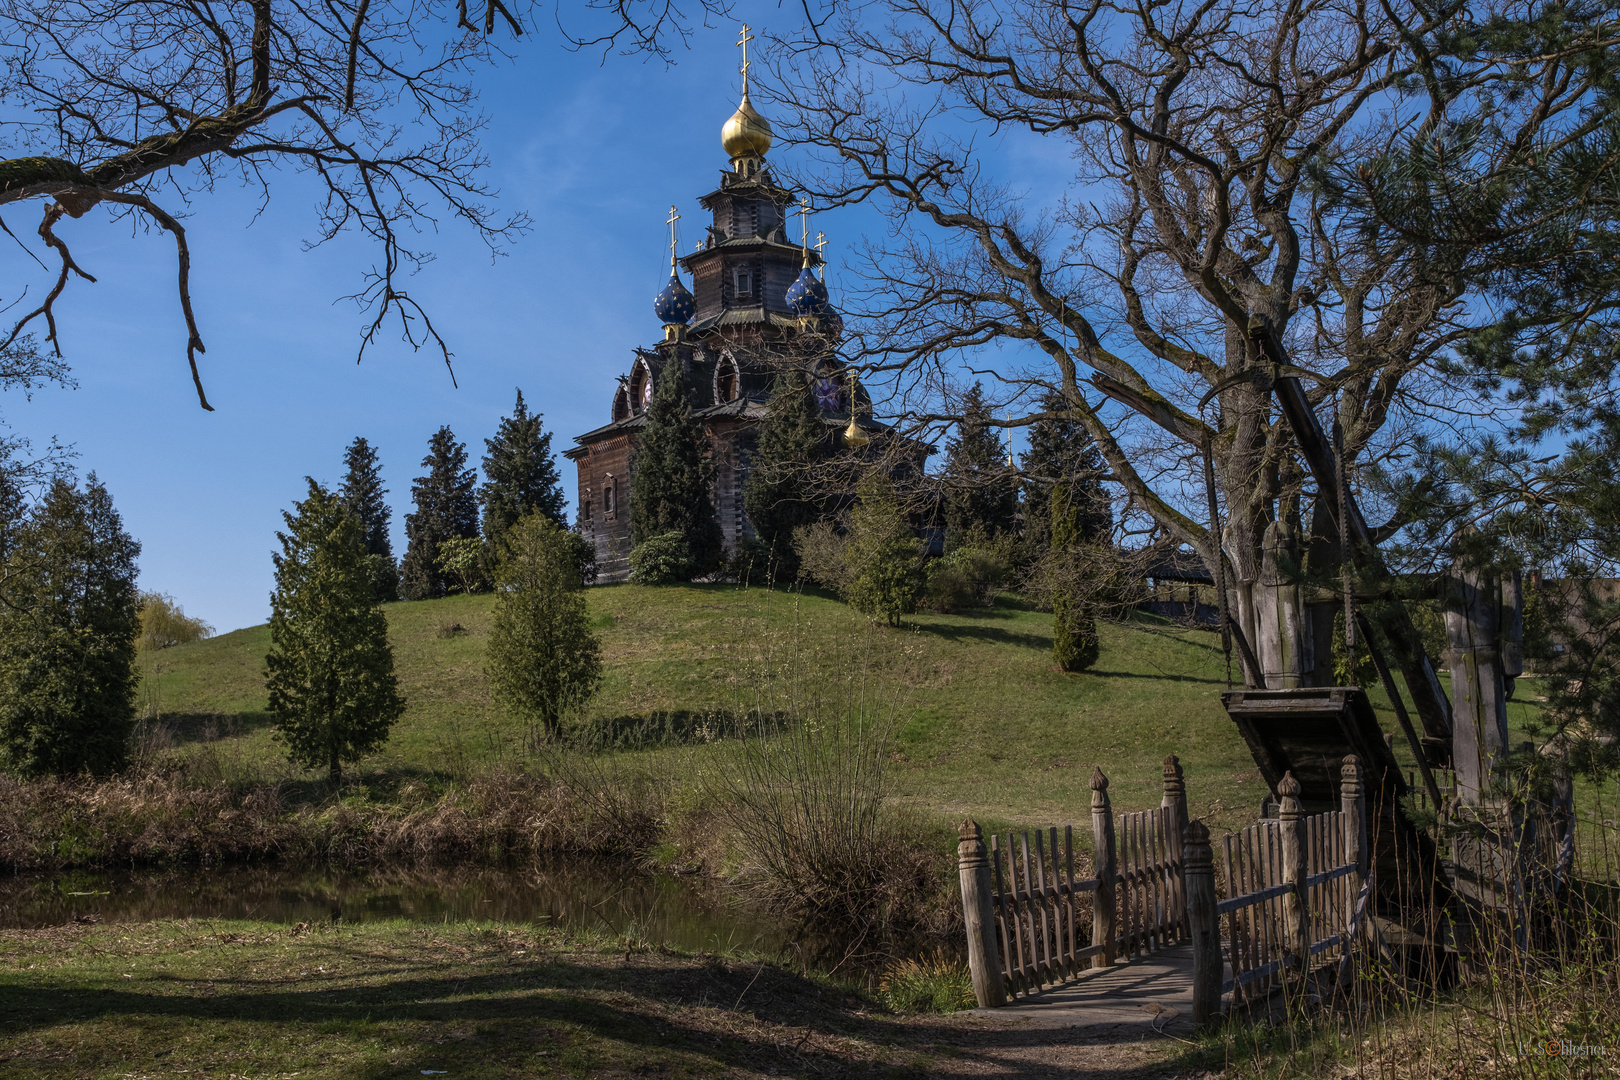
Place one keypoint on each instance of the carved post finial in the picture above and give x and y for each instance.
(969, 830)
(1172, 768)
(1288, 787)
(1099, 782)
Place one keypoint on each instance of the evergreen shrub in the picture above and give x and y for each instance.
(661, 560)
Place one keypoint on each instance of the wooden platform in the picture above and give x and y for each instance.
(1151, 993)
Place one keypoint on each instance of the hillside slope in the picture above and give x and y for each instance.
(985, 723)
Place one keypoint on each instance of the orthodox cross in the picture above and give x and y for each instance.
(821, 242)
(804, 222)
(743, 44)
(670, 221)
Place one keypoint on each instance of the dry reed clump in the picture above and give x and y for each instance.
(153, 820)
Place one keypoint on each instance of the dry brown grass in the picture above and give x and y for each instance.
(158, 820)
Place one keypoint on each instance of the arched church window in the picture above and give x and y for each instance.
(745, 283)
(610, 496)
(725, 381)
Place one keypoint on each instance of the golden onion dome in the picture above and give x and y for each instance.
(746, 134)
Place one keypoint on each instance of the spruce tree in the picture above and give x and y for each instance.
(780, 495)
(333, 695)
(884, 556)
(669, 480)
(520, 474)
(544, 659)
(446, 508)
(979, 485)
(1074, 623)
(1061, 454)
(363, 493)
(67, 636)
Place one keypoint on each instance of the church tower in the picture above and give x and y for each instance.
(756, 310)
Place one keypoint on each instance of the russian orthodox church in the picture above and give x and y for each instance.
(756, 309)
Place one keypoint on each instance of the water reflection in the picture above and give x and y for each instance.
(576, 895)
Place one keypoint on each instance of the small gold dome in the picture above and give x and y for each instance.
(746, 134)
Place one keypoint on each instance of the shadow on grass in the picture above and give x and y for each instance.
(190, 728)
(542, 1014)
(991, 634)
(669, 727)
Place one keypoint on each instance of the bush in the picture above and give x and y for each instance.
(936, 983)
(971, 574)
(823, 555)
(163, 624)
(661, 560)
(752, 564)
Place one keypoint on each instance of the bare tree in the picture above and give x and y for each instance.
(131, 104)
(1195, 266)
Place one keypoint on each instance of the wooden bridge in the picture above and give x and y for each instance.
(1160, 940)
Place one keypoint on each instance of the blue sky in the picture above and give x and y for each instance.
(594, 152)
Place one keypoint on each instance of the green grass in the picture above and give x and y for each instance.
(985, 723)
(244, 999)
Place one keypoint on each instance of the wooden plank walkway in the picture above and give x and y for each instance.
(1151, 993)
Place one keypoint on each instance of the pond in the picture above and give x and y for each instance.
(575, 895)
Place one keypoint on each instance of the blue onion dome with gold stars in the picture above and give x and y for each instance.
(807, 295)
(674, 304)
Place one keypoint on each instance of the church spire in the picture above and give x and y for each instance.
(747, 135)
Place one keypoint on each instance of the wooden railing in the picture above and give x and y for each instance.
(1292, 885)
(1022, 903)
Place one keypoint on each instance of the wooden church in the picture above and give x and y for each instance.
(756, 309)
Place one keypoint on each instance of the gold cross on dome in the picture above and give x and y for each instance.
(674, 216)
(746, 37)
(821, 242)
(804, 222)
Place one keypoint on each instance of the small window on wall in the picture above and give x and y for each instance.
(585, 511)
(745, 283)
(610, 497)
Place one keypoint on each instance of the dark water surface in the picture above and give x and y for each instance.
(576, 895)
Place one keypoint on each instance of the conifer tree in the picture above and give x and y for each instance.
(333, 694)
(446, 508)
(1062, 454)
(669, 481)
(520, 474)
(979, 485)
(363, 492)
(544, 659)
(67, 636)
(884, 556)
(1074, 622)
(780, 495)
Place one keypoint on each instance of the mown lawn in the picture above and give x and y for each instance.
(985, 724)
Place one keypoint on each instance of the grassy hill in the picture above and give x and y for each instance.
(985, 724)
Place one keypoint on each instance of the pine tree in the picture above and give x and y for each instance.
(446, 508)
(520, 474)
(884, 556)
(363, 492)
(67, 636)
(780, 496)
(333, 695)
(1074, 623)
(1062, 454)
(544, 659)
(669, 480)
(979, 486)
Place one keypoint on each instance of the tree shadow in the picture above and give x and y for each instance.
(190, 728)
(757, 1016)
(992, 634)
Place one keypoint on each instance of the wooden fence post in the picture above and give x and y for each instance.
(1353, 801)
(1296, 923)
(1175, 801)
(1102, 900)
(978, 912)
(1175, 794)
(1198, 872)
